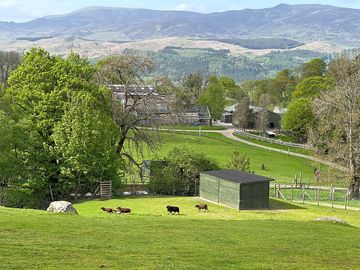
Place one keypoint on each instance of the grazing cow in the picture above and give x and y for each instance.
(109, 210)
(173, 209)
(202, 206)
(121, 210)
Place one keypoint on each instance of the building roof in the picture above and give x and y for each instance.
(135, 90)
(238, 176)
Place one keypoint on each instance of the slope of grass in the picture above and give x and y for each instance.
(285, 237)
(281, 167)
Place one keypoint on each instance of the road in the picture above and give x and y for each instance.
(229, 133)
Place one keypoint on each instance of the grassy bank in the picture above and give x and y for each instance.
(281, 167)
(285, 237)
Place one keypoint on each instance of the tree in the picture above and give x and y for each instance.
(299, 118)
(262, 117)
(214, 98)
(285, 84)
(9, 61)
(85, 140)
(131, 111)
(312, 87)
(195, 85)
(179, 173)
(39, 103)
(315, 67)
(238, 162)
(337, 112)
(242, 113)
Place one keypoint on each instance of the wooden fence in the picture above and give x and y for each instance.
(269, 140)
(334, 197)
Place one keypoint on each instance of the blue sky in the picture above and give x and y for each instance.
(23, 10)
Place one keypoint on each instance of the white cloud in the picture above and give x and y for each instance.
(182, 6)
(8, 3)
(187, 7)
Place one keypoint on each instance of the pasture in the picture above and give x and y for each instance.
(281, 167)
(285, 237)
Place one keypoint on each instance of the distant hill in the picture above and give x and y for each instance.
(303, 23)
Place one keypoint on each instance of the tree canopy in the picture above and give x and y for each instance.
(66, 117)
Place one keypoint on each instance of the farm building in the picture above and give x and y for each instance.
(274, 119)
(236, 189)
(162, 107)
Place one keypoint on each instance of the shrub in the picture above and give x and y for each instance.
(179, 172)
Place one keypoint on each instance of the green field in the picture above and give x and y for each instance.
(281, 167)
(285, 237)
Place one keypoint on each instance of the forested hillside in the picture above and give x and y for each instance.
(176, 62)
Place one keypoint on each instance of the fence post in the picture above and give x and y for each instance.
(318, 195)
(303, 194)
(292, 193)
(332, 196)
(346, 200)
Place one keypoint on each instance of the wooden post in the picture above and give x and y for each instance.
(292, 193)
(332, 196)
(346, 200)
(303, 194)
(318, 195)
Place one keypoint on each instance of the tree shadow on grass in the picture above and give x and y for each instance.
(282, 205)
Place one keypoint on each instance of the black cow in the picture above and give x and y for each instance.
(173, 209)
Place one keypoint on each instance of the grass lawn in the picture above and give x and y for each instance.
(308, 152)
(285, 237)
(281, 167)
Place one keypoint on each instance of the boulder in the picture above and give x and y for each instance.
(331, 219)
(61, 207)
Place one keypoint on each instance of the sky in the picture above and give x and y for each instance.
(24, 10)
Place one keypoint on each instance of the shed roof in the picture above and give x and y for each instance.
(238, 176)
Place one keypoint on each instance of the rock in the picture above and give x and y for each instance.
(331, 219)
(61, 207)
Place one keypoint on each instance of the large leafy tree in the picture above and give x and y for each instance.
(315, 67)
(299, 118)
(42, 92)
(214, 98)
(312, 87)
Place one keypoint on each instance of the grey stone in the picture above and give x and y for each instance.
(61, 207)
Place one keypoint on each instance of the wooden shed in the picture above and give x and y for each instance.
(236, 189)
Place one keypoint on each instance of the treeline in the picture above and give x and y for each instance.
(176, 63)
(323, 109)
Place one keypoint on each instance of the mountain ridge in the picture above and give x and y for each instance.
(305, 23)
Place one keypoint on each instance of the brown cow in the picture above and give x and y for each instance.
(121, 210)
(109, 210)
(202, 206)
